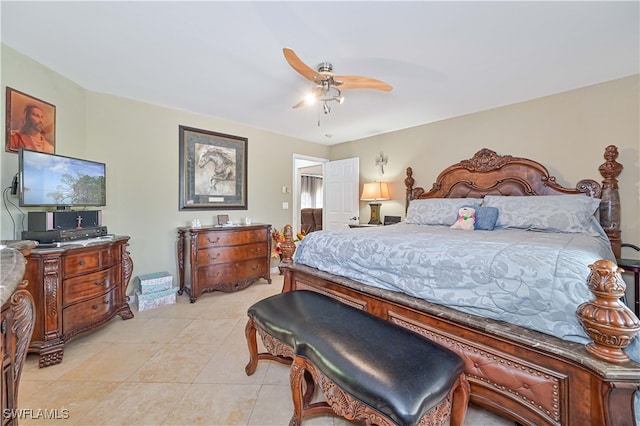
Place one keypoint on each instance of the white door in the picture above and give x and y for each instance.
(341, 185)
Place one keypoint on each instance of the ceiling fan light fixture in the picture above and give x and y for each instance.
(310, 99)
(326, 83)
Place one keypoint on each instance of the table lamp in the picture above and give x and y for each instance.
(375, 192)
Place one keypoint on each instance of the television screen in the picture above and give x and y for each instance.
(49, 180)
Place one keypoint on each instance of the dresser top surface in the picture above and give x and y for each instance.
(223, 227)
(79, 244)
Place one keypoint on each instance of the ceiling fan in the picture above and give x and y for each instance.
(327, 86)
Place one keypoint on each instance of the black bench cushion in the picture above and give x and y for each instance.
(382, 364)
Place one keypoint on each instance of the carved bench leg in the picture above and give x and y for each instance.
(296, 374)
(337, 402)
(460, 401)
(250, 334)
(276, 350)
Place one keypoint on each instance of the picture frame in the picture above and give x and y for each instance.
(223, 219)
(213, 170)
(30, 123)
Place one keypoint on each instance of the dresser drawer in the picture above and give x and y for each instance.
(88, 286)
(236, 271)
(216, 255)
(109, 257)
(88, 261)
(89, 313)
(229, 238)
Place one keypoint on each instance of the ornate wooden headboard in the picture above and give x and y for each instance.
(488, 173)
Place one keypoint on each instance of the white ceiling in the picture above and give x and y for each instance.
(224, 59)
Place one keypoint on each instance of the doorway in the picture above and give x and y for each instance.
(313, 169)
(339, 190)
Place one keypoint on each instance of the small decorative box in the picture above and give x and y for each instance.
(152, 283)
(146, 301)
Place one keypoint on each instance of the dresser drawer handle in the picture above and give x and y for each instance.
(82, 262)
(256, 251)
(100, 283)
(216, 275)
(256, 266)
(95, 307)
(213, 257)
(213, 242)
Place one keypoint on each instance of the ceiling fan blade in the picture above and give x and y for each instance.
(297, 64)
(358, 82)
(300, 104)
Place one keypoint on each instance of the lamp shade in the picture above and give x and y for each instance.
(375, 191)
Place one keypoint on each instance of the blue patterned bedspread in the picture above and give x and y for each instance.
(532, 279)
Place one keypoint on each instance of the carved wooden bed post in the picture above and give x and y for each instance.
(288, 247)
(610, 204)
(608, 322)
(408, 183)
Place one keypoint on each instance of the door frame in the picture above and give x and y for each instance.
(301, 161)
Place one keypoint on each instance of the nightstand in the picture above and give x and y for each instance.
(633, 266)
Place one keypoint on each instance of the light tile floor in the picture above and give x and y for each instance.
(181, 364)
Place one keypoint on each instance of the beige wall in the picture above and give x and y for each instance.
(139, 143)
(567, 132)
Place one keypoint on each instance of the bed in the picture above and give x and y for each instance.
(509, 300)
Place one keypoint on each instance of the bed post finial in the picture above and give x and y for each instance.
(408, 183)
(288, 247)
(606, 320)
(610, 201)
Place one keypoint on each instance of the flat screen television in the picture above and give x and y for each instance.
(50, 180)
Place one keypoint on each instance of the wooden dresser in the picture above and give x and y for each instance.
(223, 258)
(16, 325)
(76, 288)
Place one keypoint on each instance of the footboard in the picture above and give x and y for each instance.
(530, 377)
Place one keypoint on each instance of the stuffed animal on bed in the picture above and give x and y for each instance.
(466, 219)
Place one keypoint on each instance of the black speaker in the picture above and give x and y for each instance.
(72, 219)
(390, 220)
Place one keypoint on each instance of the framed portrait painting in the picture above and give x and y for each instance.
(213, 170)
(31, 123)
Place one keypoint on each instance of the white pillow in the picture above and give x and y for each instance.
(551, 213)
(437, 211)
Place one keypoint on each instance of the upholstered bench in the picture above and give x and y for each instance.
(368, 368)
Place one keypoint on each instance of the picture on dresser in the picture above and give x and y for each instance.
(213, 170)
(223, 219)
(31, 123)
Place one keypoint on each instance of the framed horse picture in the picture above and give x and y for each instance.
(213, 170)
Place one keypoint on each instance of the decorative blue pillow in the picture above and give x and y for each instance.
(486, 218)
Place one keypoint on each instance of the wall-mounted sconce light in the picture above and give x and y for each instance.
(381, 161)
